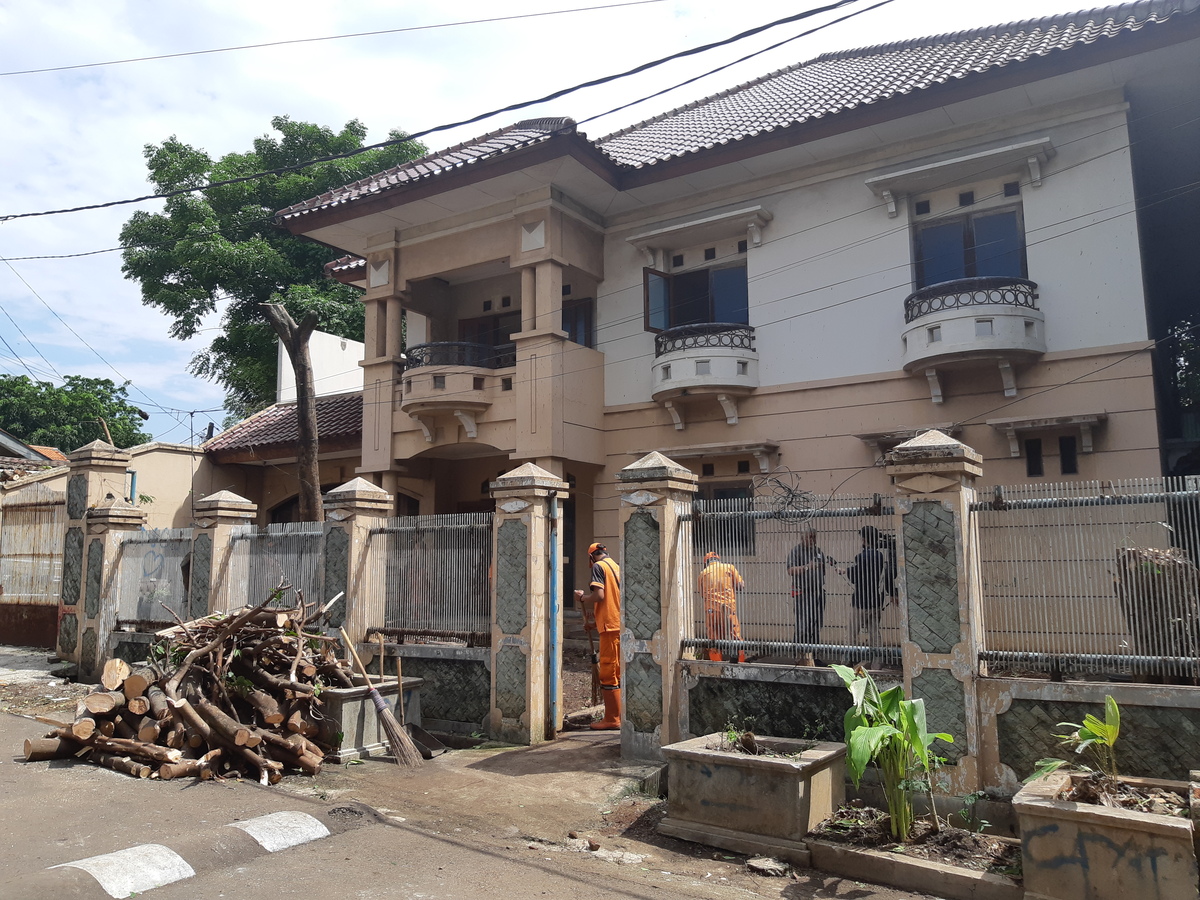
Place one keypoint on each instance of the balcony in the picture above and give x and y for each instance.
(453, 378)
(714, 360)
(971, 323)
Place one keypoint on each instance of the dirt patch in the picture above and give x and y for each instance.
(868, 827)
(41, 698)
(577, 680)
(1101, 790)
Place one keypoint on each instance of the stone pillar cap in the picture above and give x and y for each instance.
(529, 476)
(225, 499)
(116, 511)
(933, 446)
(99, 453)
(357, 489)
(656, 467)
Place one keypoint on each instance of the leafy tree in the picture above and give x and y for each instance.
(65, 416)
(1186, 333)
(220, 246)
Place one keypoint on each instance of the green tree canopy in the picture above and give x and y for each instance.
(220, 246)
(64, 416)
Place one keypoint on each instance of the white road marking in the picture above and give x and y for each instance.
(135, 869)
(281, 830)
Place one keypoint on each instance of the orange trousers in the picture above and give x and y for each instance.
(610, 660)
(721, 623)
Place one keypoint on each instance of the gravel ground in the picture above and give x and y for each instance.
(27, 687)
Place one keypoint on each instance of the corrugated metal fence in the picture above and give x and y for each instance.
(813, 585)
(1092, 577)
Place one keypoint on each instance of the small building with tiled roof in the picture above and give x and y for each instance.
(985, 230)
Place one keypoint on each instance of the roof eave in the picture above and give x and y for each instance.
(573, 145)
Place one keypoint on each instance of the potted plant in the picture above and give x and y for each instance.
(889, 732)
(752, 794)
(1091, 833)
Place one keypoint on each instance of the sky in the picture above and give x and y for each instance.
(75, 137)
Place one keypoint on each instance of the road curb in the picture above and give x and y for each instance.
(143, 867)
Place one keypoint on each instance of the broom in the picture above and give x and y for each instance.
(595, 669)
(404, 750)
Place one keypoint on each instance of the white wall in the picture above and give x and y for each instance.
(335, 367)
(828, 284)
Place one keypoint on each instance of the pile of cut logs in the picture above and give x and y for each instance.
(236, 694)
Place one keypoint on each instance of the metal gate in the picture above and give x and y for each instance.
(260, 558)
(762, 537)
(432, 577)
(1091, 577)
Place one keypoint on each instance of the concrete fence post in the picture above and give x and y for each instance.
(97, 471)
(520, 692)
(217, 516)
(352, 511)
(656, 494)
(935, 477)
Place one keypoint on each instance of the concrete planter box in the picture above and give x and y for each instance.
(912, 874)
(752, 804)
(1080, 851)
(351, 712)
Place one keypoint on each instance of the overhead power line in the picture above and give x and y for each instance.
(327, 37)
(704, 48)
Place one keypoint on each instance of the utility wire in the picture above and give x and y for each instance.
(420, 134)
(331, 37)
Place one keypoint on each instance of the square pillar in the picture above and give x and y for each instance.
(934, 476)
(97, 471)
(218, 517)
(656, 496)
(521, 664)
(352, 511)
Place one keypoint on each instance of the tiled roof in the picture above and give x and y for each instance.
(13, 467)
(847, 79)
(49, 452)
(339, 417)
(345, 265)
(522, 134)
(825, 86)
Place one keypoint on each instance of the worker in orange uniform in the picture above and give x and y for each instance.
(719, 586)
(602, 612)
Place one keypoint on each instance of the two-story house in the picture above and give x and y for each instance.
(799, 271)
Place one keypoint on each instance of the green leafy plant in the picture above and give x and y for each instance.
(1097, 737)
(886, 729)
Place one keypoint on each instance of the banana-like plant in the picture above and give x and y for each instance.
(1099, 738)
(886, 729)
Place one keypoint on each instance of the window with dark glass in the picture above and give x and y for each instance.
(1034, 466)
(727, 529)
(579, 321)
(492, 331)
(696, 297)
(982, 243)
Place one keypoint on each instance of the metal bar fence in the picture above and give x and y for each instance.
(31, 529)
(1092, 578)
(260, 558)
(431, 577)
(783, 613)
(151, 582)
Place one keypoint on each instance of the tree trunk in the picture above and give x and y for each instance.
(102, 704)
(295, 342)
(115, 673)
(37, 749)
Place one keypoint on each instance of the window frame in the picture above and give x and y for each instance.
(967, 218)
(668, 280)
(586, 308)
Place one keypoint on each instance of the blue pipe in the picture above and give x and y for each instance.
(554, 649)
(132, 486)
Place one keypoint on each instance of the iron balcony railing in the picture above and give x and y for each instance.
(461, 353)
(707, 334)
(989, 290)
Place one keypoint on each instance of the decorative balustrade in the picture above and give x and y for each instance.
(460, 353)
(708, 334)
(990, 290)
